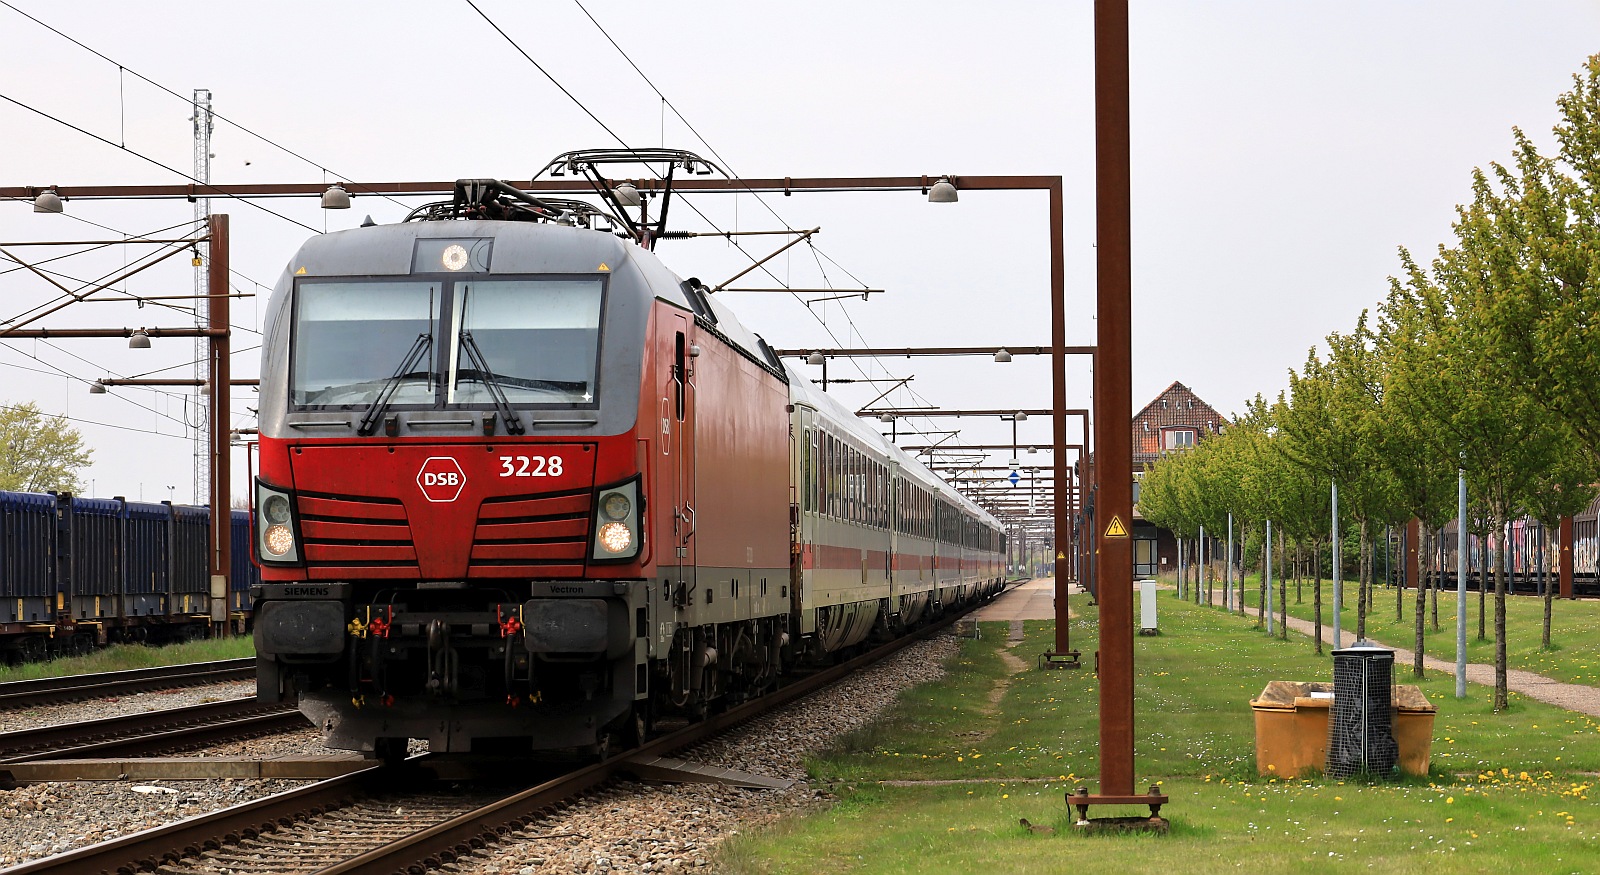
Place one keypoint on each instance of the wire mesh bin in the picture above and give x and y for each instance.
(1360, 727)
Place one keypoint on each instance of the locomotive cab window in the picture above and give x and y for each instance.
(339, 324)
(536, 341)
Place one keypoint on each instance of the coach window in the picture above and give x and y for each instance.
(855, 485)
(831, 466)
(808, 476)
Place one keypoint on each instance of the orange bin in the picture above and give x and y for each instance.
(1292, 727)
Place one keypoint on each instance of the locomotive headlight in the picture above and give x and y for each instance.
(616, 506)
(454, 257)
(615, 538)
(275, 527)
(275, 509)
(278, 540)
(617, 532)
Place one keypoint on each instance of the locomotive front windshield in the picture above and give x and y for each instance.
(445, 343)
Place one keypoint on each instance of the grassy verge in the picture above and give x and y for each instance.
(1506, 790)
(125, 656)
(1574, 626)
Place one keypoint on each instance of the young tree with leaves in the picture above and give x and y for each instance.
(39, 453)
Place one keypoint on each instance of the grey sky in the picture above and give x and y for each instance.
(1281, 152)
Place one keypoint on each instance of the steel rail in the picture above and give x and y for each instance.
(145, 851)
(73, 688)
(149, 732)
(445, 842)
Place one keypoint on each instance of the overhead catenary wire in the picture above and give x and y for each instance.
(130, 297)
(82, 421)
(57, 371)
(215, 190)
(817, 253)
(121, 68)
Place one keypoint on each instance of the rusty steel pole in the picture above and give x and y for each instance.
(220, 379)
(1058, 401)
(1564, 564)
(1113, 412)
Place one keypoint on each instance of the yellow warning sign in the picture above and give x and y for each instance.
(1116, 529)
(1061, 555)
(300, 272)
(603, 266)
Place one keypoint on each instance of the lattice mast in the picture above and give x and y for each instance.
(198, 414)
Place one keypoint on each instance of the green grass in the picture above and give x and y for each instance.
(1574, 627)
(121, 657)
(1195, 734)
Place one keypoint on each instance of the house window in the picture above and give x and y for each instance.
(1177, 438)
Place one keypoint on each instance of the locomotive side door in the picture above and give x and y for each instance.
(680, 395)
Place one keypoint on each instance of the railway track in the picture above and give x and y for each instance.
(152, 732)
(76, 688)
(405, 818)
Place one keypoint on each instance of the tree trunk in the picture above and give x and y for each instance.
(1400, 586)
(1180, 565)
(1501, 699)
(1299, 572)
(1483, 581)
(1261, 597)
(1283, 586)
(1198, 573)
(1316, 595)
(1433, 579)
(1364, 580)
(1422, 598)
(1211, 573)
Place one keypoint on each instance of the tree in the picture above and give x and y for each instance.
(1418, 456)
(1546, 327)
(39, 453)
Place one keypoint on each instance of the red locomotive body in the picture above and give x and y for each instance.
(522, 487)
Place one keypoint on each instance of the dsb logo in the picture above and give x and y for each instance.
(441, 479)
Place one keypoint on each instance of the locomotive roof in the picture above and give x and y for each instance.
(845, 420)
(519, 248)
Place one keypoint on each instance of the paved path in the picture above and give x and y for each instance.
(1573, 697)
(1034, 600)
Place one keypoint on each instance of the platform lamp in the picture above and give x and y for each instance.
(1015, 418)
(336, 198)
(817, 358)
(943, 192)
(48, 202)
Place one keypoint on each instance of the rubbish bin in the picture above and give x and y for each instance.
(1292, 727)
(1413, 727)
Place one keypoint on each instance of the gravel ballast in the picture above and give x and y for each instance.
(625, 828)
(119, 706)
(676, 828)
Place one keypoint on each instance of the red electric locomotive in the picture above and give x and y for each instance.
(522, 487)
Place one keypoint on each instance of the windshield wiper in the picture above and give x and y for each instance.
(491, 381)
(381, 403)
